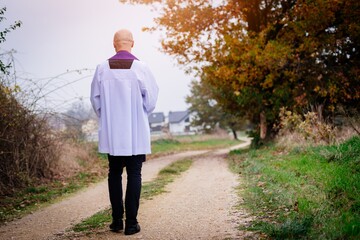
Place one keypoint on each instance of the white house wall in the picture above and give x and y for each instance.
(177, 127)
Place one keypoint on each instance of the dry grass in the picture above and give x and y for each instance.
(78, 157)
(345, 132)
(292, 140)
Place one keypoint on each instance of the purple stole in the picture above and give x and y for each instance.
(122, 60)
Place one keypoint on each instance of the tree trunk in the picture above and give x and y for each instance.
(263, 127)
(234, 134)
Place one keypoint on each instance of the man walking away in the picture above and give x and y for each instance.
(123, 94)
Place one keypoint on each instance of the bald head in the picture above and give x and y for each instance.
(123, 40)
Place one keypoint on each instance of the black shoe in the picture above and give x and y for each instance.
(132, 229)
(117, 225)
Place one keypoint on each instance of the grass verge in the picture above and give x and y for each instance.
(188, 143)
(311, 193)
(30, 198)
(149, 190)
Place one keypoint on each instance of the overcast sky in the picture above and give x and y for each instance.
(61, 35)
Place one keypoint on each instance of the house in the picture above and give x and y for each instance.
(179, 123)
(156, 122)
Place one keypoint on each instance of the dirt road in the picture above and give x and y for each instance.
(198, 205)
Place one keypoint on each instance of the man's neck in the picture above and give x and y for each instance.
(123, 54)
(122, 49)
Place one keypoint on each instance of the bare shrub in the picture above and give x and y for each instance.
(34, 145)
(30, 150)
(27, 147)
(75, 118)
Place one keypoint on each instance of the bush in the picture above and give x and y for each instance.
(307, 127)
(27, 147)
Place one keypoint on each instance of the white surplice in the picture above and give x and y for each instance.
(122, 99)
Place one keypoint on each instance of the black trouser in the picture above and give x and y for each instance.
(133, 166)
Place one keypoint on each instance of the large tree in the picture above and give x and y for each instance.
(261, 55)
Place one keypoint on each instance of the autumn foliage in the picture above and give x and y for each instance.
(262, 55)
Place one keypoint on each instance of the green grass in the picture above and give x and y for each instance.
(32, 197)
(96, 221)
(311, 193)
(149, 190)
(165, 176)
(167, 146)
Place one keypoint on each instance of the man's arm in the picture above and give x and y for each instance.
(150, 91)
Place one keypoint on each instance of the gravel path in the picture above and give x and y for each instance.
(198, 205)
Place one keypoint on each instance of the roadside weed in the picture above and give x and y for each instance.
(98, 220)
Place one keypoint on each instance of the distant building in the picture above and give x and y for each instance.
(156, 122)
(179, 123)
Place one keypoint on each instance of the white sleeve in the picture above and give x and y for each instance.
(95, 92)
(150, 91)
